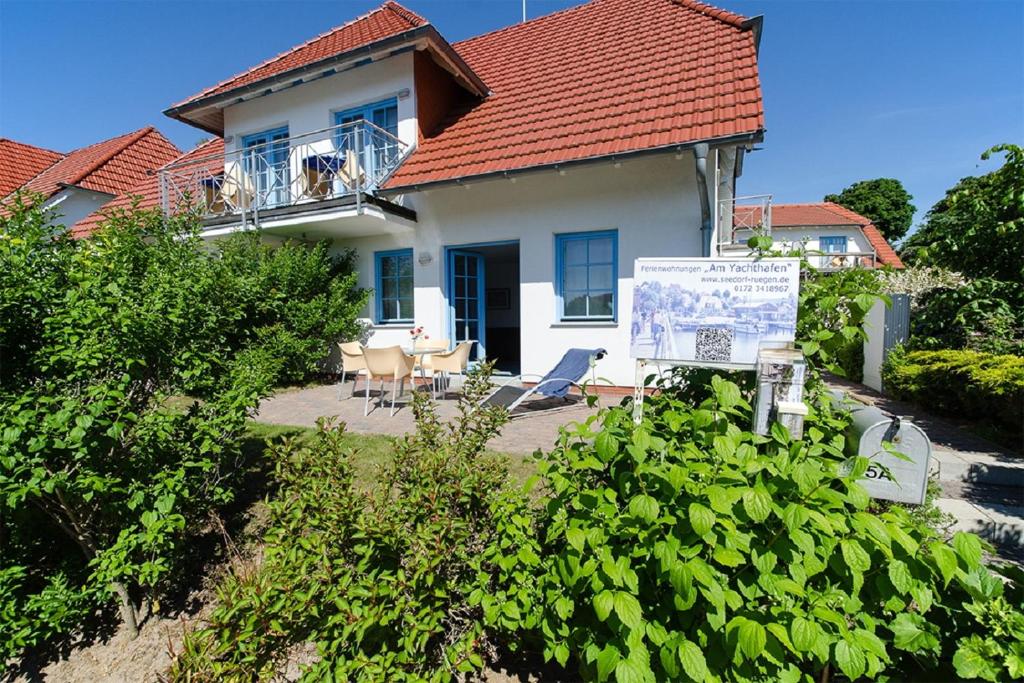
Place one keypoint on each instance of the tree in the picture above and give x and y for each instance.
(883, 200)
(978, 227)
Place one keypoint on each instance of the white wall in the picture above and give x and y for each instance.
(651, 201)
(310, 106)
(73, 204)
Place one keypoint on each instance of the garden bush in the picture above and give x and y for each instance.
(967, 384)
(293, 299)
(129, 363)
(982, 315)
(688, 548)
(385, 584)
(100, 475)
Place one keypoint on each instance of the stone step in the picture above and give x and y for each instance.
(1000, 524)
(978, 468)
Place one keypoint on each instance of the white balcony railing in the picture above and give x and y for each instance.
(346, 160)
(740, 218)
(841, 260)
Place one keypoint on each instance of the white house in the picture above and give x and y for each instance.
(497, 189)
(833, 236)
(76, 184)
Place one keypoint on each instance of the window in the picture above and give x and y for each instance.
(832, 245)
(382, 114)
(394, 286)
(586, 265)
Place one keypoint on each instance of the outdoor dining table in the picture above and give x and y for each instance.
(423, 353)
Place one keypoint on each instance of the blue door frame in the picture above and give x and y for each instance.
(266, 163)
(382, 114)
(467, 317)
(450, 290)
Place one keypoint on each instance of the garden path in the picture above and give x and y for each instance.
(302, 407)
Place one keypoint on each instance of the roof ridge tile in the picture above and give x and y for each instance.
(512, 27)
(405, 14)
(130, 139)
(731, 18)
(27, 144)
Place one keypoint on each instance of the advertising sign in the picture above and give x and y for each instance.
(708, 311)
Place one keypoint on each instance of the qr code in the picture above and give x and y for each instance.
(714, 344)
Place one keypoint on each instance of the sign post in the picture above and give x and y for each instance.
(718, 313)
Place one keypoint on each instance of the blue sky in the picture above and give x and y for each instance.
(914, 90)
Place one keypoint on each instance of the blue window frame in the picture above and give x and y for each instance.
(394, 286)
(383, 114)
(586, 275)
(832, 245)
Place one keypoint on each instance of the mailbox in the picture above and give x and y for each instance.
(906, 482)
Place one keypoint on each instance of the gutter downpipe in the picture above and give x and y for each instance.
(700, 153)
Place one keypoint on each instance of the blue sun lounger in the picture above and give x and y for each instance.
(556, 384)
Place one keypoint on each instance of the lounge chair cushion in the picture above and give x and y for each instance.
(571, 368)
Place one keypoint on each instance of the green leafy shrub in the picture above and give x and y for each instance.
(100, 477)
(105, 471)
(29, 617)
(968, 384)
(295, 300)
(386, 584)
(983, 315)
(688, 548)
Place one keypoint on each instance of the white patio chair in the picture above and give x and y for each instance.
(383, 364)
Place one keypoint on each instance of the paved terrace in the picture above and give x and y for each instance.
(302, 407)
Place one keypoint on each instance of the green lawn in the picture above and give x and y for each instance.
(371, 450)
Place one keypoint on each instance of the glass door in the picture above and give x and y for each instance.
(466, 299)
(373, 151)
(266, 166)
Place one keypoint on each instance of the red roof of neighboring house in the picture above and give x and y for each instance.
(19, 163)
(604, 78)
(387, 20)
(112, 166)
(146, 192)
(829, 213)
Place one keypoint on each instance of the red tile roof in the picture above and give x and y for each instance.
(604, 78)
(828, 214)
(112, 166)
(19, 163)
(387, 20)
(147, 191)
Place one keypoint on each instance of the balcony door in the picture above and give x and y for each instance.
(266, 167)
(375, 152)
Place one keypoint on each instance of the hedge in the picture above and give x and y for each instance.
(969, 384)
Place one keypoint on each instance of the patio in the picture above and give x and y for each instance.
(302, 406)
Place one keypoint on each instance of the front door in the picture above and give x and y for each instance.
(466, 299)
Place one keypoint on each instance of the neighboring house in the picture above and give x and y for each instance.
(497, 189)
(834, 236)
(78, 183)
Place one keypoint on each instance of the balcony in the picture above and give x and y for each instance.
(740, 218)
(312, 180)
(841, 260)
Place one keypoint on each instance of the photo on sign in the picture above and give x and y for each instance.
(712, 311)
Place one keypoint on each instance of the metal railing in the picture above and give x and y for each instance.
(340, 161)
(740, 218)
(841, 260)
